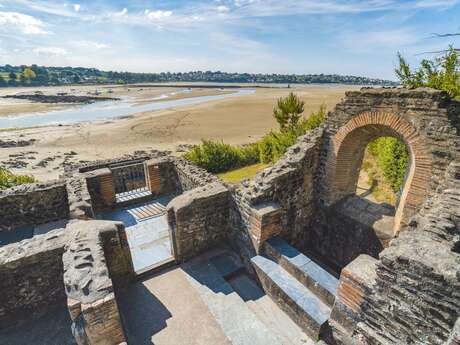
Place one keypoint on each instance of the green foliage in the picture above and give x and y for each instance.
(273, 145)
(392, 158)
(68, 75)
(288, 111)
(8, 179)
(216, 157)
(443, 73)
(28, 73)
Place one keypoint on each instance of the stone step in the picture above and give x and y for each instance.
(267, 311)
(300, 303)
(305, 270)
(238, 322)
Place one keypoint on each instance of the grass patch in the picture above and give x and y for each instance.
(238, 175)
(8, 179)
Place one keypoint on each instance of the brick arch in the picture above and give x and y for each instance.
(347, 150)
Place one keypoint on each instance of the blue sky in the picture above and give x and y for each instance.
(261, 36)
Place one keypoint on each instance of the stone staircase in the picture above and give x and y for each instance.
(302, 288)
(246, 315)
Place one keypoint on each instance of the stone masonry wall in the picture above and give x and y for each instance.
(430, 112)
(289, 184)
(412, 296)
(199, 220)
(95, 257)
(190, 176)
(423, 117)
(33, 204)
(417, 290)
(31, 274)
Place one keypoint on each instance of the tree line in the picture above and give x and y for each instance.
(42, 76)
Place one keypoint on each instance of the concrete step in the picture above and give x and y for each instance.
(267, 311)
(305, 270)
(300, 303)
(238, 322)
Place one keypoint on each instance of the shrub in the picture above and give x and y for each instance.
(8, 179)
(392, 158)
(216, 157)
(275, 144)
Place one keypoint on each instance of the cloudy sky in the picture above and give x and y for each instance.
(281, 36)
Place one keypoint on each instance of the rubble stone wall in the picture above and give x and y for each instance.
(32, 204)
(190, 176)
(95, 258)
(423, 118)
(31, 274)
(199, 220)
(417, 297)
(289, 184)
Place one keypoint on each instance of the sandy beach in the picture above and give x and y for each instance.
(237, 120)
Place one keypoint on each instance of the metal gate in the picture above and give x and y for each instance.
(128, 177)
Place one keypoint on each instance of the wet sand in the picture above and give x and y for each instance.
(237, 120)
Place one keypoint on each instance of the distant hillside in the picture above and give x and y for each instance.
(40, 75)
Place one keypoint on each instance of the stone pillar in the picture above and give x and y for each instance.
(97, 323)
(357, 281)
(153, 176)
(101, 188)
(266, 221)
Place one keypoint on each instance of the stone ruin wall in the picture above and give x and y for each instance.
(282, 194)
(435, 118)
(33, 204)
(31, 277)
(411, 294)
(289, 200)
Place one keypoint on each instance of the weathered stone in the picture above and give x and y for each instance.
(33, 204)
(198, 219)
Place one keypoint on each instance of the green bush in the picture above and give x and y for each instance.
(216, 157)
(8, 179)
(392, 158)
(275, 144)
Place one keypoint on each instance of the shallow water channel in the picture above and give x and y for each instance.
(106, 110)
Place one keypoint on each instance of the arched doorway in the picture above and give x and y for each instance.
(346, 152)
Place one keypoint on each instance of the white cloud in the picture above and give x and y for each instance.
(50, 51)
(22, 22)
(157, 15)
(76, 7)
(91, 44)
(222, 9)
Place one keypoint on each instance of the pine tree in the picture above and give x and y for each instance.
(288, 111)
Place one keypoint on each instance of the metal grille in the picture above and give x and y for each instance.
(129, 177)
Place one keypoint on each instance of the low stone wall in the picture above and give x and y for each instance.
(31, 277)
(80, 206)
(199, 220)
(96, 257)
(190, 176)
(32, 204)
